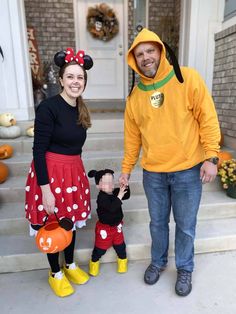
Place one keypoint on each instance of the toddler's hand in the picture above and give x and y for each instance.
(122, 192)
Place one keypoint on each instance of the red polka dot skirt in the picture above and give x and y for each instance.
(69, 184)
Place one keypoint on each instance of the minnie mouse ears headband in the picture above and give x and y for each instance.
(67, 56)
(99, 174)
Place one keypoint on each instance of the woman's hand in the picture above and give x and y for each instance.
(48, 199)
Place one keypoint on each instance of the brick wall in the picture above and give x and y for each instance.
(53, 21)
(224, 80)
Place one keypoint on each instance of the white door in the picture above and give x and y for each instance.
(106, 78)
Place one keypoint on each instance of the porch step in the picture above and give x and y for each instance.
(19, 252)
(102, 122)
(13, 189)
(105, 105)
(214, 205)
(103, 149)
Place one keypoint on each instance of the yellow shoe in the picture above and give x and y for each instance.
(60, 284)
(76, 274)
(122, 265)
(94, 268)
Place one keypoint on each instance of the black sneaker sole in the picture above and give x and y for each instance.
(181, 294)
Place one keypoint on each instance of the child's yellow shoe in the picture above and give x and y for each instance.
(60, 284)
(76, 274)
(94, 268)
(122, 265)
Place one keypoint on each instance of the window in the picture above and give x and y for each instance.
(230, 9)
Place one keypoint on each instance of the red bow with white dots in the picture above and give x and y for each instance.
(79, 57)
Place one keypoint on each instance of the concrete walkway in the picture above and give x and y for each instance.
(214, 291)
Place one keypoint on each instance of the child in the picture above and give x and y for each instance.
(108, 230)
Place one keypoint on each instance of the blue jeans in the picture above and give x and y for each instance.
(181, 191)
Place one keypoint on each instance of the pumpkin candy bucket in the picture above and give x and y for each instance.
(54, 236)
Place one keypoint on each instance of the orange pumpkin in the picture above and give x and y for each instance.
(223, 155)
(6, 151)
(52, 238)
(4, 172)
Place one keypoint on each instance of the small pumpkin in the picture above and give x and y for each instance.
(52, 238)
(4, 172)
(10, 131)
(6, 151)
(30, 131)
(223, 155)
(7, 119)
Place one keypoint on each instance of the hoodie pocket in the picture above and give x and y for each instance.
(171, 154)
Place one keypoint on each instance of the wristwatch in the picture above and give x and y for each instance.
(214, 160)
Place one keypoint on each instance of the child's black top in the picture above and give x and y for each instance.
(109, 207)
(55, 130)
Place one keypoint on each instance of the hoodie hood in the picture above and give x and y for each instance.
(164, 67)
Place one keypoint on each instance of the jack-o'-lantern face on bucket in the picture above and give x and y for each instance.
(52, 238)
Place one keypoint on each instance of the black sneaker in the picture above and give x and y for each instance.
(151, 275)
(183, 284)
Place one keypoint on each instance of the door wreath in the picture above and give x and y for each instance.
(102, 22)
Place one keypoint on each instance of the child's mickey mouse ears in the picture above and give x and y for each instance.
(62, 57)
(99, 174)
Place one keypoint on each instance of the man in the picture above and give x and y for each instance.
(175, 123)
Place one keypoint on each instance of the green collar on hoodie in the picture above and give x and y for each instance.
(156, 85)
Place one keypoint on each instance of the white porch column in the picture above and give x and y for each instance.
(15, 84)
(200, 20)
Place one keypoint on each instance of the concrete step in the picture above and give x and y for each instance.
(94, 142)
(19, 163)
(214, 205)
(102, 122)
(13, 189)
(19, 252)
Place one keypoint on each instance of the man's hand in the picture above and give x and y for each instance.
(124, 179)
(208, 172)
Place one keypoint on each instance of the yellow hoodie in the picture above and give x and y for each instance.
(180, 133)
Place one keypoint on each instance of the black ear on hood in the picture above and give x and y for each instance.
(92, 173)
(174, 62)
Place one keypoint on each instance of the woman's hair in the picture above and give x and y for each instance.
(84, 115)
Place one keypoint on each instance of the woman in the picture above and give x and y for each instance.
(57, 182)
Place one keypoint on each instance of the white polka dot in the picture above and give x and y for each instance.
(85, 203)
(73, 218)
(40, 208)
(27, 188)
(69, 190)
(78, 178)
(26, 206)
(44, 218)
(80, 197)
(86, 191)
(58, 190)
(62, 180)
(81, 55)
(52, 180)
(88, 208)
(32, 174)
(103, 234)
(36, 197)
(56, 210)
(62, 200)
(68, 209)
(84, 214)
(84, 173)
(29, 216)
(75, 206)
(82, 185)
(74, 188)
(30, 169)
